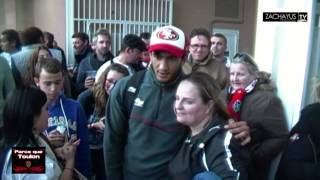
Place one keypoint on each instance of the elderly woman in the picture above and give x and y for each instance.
(25, 118)
(251, 97)
(205, 152)
(94, 101)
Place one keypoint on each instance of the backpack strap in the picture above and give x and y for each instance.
(132, 90)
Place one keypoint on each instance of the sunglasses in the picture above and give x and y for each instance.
(244, 58)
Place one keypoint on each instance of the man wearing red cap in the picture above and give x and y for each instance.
(139, 142)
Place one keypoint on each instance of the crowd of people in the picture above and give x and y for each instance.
(162, 108)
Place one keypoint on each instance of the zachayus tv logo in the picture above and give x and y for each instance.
(285, 16)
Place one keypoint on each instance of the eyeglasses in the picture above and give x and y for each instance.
(197, 46)
(111, 81)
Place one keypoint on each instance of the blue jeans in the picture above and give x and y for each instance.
(206, 175)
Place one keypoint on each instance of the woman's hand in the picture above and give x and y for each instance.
(69, 149)
(98, 125)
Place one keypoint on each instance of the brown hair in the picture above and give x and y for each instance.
(31, 65)
(99, 93)
(200, 32)
(219, 35)
(51, 65)
(209, 90)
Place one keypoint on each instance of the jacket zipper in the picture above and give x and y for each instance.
(158, 108)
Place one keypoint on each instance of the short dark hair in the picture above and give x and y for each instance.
(12, 35)
(103, 32)
(22, 106)
(51, 65)
(134, 42)
(145, 35)
(200, 32)
(81, 35)
(219, 35)
(31, 35)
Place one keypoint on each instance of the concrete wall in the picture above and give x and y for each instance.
(189, 14)
(24, 14)
(2, 17)
(48, 15)
(7, 14)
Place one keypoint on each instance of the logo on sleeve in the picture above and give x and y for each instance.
(138, 102)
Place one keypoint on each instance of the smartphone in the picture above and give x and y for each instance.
(61, 129)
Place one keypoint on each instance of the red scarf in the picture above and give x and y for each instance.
(235, 103)
(236, 100)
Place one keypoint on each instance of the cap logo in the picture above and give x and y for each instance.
(168, 34)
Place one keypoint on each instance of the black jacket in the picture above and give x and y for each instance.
(300, 158)
(207, 151)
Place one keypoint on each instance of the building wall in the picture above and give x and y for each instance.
(48, 15)
(24, 14)
(2, 15)
(189, 14)
(7, 14)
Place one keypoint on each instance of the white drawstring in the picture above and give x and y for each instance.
(65, 120)
(65, 117)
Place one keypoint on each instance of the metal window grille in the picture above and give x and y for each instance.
(119, 17)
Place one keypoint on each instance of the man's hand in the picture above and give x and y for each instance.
(55, 138)
(240, 130)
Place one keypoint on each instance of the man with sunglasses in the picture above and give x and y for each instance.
(202, 59)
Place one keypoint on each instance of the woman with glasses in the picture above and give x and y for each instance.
(93, 101)
(251, 97)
